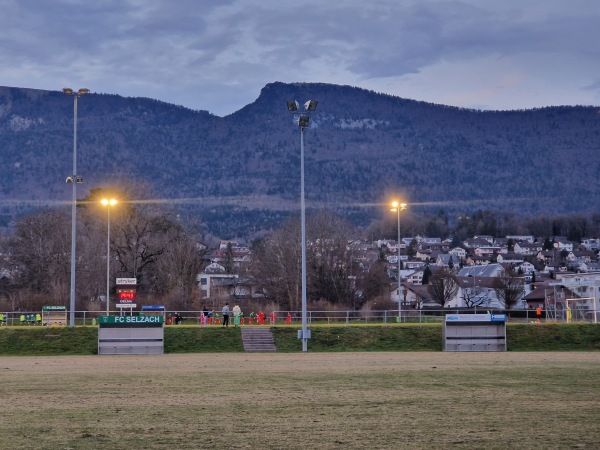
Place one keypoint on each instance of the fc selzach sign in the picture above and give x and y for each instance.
(127, 281)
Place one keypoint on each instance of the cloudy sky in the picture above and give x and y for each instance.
(216, 55)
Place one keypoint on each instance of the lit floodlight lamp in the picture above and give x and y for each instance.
(303, 121)
(396, 205)
(311, 105)
(68, 91)
(292, 105)
(83, 91)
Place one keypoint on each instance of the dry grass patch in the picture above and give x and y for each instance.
(319, 400)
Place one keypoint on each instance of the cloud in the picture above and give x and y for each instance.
(218, 54)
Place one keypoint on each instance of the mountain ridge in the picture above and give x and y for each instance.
(240, 172)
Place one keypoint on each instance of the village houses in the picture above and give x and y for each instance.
(476, 265)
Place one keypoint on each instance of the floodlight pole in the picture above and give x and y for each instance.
(74, 179)
(303, 226)
(303, 122)
(399, 270)
(108, 259)
(108, 203)
(397, 206)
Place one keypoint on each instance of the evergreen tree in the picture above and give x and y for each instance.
(229, 262)
(426, 275)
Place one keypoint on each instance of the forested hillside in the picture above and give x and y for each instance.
(240, 173)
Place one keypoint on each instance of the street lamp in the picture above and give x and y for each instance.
(397, 207)
(303, 120)
(108, 203)
(74, 179)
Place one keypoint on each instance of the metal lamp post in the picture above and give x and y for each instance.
(108, 203)
(74, 179)
(397, 206)
(302, 119)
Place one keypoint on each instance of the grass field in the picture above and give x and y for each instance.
(295, 400)
(44, 341)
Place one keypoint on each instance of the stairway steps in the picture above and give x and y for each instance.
(258, 340)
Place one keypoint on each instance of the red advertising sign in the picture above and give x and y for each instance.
(126, 295)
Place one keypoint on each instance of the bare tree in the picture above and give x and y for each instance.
(40, 254)
(330, 259)
(376, 283)
(508, 288)
(91, 250)
(276, 265)
(442, 287)
(146, 243)
(474, 297)
(140, 238)
(177, 269)
(277, 262)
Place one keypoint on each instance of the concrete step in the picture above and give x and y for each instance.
(258, 340)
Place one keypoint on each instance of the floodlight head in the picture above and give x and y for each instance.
(397, 205)
(79, 93)
(311, 105)
(303, 121)
(292, 105)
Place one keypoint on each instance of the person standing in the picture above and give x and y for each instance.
(204, 316)
(237, 312)
(225, 312)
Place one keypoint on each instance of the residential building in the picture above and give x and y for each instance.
(509, 258)
(458, 252)
(561, 243)
(528, 249)
(591, 244)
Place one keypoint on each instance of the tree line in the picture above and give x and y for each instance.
(146, 242)
(150, 242)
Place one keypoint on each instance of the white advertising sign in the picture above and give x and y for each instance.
(476, 318)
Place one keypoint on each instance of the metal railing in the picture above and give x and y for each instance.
(345, 317)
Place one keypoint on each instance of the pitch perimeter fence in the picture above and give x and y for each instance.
(344, 317)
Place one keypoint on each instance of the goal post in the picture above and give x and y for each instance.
(578, 310)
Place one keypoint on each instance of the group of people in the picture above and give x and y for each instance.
(173, 320)
(224, 319)
(238, 316)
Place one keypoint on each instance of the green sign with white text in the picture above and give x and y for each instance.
(54, 308)
(130, 320)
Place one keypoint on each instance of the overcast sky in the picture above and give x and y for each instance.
(216, 55)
